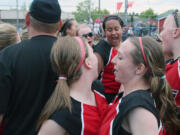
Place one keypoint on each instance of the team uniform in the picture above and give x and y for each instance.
(107, 77)
(173, 77)
(26, 83)
(112, 122)
(84, 119)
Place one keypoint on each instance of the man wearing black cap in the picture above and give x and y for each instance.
(26, 77)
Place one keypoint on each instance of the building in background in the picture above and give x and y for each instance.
(10, 16)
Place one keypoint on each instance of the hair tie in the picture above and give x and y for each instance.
(163, 77)
(62, 77)
(82, 52)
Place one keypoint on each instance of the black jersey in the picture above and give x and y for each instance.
(121, 106)
(84, 119)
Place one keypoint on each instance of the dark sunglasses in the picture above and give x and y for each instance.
(175, 18)
(90, 34)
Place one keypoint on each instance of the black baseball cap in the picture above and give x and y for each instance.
(47, 11)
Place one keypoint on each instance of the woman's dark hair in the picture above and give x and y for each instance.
(67, 25)
(112, 17)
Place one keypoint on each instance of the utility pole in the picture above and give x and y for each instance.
(99, 8)
(89, 18)
(17, 14)
(125, 11)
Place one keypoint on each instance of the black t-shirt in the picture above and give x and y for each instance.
(26, 83)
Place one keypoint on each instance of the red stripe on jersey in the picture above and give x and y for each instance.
(173, 77)
(108, 117)
(90, 120)
(102, 104)
(162, 132)
(108, 77)
(91, 115)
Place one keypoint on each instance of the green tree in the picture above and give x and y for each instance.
(96, 14)
(166, 12)
(83, 12)
(149, 13)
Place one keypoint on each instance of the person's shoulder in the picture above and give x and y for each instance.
(51, 127)
(60, 113)
(61, 116)
(98, 86)
(138, 98)
(11, 50)
(103, 48)
(103, 43)
(140, 117)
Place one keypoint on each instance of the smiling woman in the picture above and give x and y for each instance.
(85, 31)
(105, 50)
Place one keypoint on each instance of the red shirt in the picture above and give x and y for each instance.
(173, 77)
(107, 77)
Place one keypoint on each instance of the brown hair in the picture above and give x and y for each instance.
(161, 92)
(44, 27)
(178, 18)
(66, 25)
(24, 34)
(8, 35)
(65, 58)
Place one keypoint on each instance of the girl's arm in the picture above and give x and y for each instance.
(50, 127)
(142, 122)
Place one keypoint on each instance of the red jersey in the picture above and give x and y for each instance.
(107, 77)
(173, 77)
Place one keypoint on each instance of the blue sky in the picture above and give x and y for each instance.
(158, 6)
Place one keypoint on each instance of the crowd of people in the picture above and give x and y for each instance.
(56, 80)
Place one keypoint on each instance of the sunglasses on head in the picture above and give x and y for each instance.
(157, 38)
(175, 18)
(90, 34)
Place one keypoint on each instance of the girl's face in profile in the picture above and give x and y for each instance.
(124, 68)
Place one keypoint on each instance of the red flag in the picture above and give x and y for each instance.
(130, 4)
(119, 5)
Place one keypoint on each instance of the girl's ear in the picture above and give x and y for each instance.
(87, 63)
(60, 24)
(140, 69)
(27, 20)
(176, 33)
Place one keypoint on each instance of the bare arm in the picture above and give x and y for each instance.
(100, 62)
(142, 122)
(1, 117)
(50, 127)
